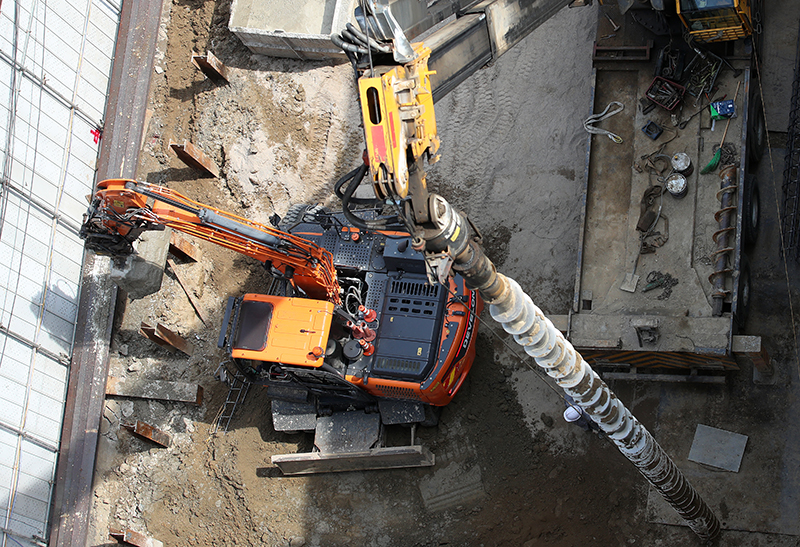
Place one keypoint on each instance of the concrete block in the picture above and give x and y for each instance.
(141, 273)
(298, 30)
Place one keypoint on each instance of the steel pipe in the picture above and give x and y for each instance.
(520, 317)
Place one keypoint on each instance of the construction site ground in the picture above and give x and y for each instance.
(509, 470)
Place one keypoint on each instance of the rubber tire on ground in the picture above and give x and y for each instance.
(432, 415)
(744, 293)
(294, 215)
(752, 210)
(756, 131)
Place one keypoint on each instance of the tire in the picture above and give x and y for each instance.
(752, 211)
(744, 293)
(756, 132)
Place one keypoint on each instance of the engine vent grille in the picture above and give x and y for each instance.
(409, 306)
(398, 366)
(392, 392)
(414, 288)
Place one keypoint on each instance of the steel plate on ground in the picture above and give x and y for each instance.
(718, 448)
(401, 412)
(290, 416)
(347, 432)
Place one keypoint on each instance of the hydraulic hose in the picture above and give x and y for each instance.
(366, 40)
(337, 189)
(347, 198)
(349, 37)
(347, 46)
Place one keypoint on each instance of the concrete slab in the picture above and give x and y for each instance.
(140, 275)
(299, 30)
(718, 448)
(764, 496)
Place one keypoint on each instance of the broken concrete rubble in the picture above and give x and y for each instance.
(140, 274)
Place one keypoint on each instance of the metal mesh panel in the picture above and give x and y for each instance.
(55, 64)
(791, 175)
(375, 292)
(353, 255)
(392, 392)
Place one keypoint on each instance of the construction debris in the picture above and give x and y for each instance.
(191, 298)
(129, 537)
(211, 66)
(166, 338)
(154, 389)
(140, 274)
(192, 156)
(147, 431)
(180, 247)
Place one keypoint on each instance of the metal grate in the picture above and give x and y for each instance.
(353, 255)
(791, 174)
(415, 288)
(401, 366)
(392, 392)
(329, 239)
(55, 63)
(375, 292)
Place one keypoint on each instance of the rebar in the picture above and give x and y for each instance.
(790, 213)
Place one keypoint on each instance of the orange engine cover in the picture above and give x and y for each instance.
(293, 331)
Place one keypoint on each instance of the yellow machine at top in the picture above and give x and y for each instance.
(717, 20)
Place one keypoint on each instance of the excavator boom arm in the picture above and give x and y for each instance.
(121, 211)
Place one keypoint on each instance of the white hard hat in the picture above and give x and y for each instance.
(571, 414)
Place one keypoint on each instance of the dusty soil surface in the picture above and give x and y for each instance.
(509, 471)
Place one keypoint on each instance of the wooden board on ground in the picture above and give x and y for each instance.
(144, 388)
(378, 458)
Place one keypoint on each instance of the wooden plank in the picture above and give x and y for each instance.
(147, 115)
(129, 537)
(687, 378)
(161, 390)
(147, 431)
(378, 458)
(165, 338)
(194, 157)
(189, 295)
(210, 66)
(181, 247)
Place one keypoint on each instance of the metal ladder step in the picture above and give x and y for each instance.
(238, 386)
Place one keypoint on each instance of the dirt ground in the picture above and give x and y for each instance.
(509, 471)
